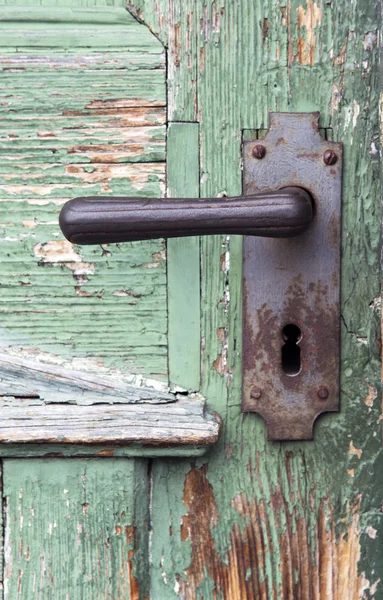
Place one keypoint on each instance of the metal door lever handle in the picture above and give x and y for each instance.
(101, 220)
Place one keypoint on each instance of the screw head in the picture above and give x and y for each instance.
(259, 151)
(323, 392)
(330, 158)
(256, 393)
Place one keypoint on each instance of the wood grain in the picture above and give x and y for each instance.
(180, 425)
(76, 529)
(82, 112)
(259, 519)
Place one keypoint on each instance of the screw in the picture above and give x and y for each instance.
(323, 392)
(259, 151)
(330, 158)
(256, 393)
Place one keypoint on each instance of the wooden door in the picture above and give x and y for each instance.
(89, 92)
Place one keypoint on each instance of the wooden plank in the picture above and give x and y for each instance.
(181, 425)
(76, 529)
(54, 384)
(80, 121)
(255, 519)
(183, 262)
(63, 27)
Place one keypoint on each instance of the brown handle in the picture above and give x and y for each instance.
(101, 220)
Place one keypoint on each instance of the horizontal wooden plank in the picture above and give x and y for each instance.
(57, 62)
(78, 123)
(68, 3)
(184, 423)
(68, 28)
(62, 14)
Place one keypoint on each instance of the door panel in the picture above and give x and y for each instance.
(257, 519)
(83, 113)
(75, 529)
(252, 519)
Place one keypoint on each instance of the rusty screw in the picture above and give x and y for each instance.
(323, 392)
(256, 393)
(259, 151)
(330, 158)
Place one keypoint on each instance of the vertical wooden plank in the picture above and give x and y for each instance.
(76, 529)
(183, 262)
(256, 519)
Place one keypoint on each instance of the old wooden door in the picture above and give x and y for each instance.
(95, 100)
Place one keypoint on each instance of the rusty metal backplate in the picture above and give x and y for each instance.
(291, 374)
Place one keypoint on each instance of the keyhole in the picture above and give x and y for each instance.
(291, 352)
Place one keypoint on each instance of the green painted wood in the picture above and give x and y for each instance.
(82, 112)
(76, 529)
(183, 262)
(256, 519)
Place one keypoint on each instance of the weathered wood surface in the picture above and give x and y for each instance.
(51, 383)
(76, 529)
(257, 519)
(143, 420)
(253, 519)
(182, 424)
(82, 112)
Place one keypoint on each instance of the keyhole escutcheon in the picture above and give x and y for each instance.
(291, 352)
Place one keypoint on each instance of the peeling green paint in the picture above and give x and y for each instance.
(253, 519)
(301, 506)
(83, 113)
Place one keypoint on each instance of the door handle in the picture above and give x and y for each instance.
(101, 220)
(291, 285)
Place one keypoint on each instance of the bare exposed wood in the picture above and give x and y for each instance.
(185, 423)
(50, 383)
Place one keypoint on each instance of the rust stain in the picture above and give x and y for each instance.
(340, 59)
(265, 30)
(331, 571)
(308, 20)
(102, 153)
(235, 578)
(133, 584)
(335, 571)
(104, 453)
(131, 539)
(129, 533)
(117, 103)
(262, 351)
(134, 116)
